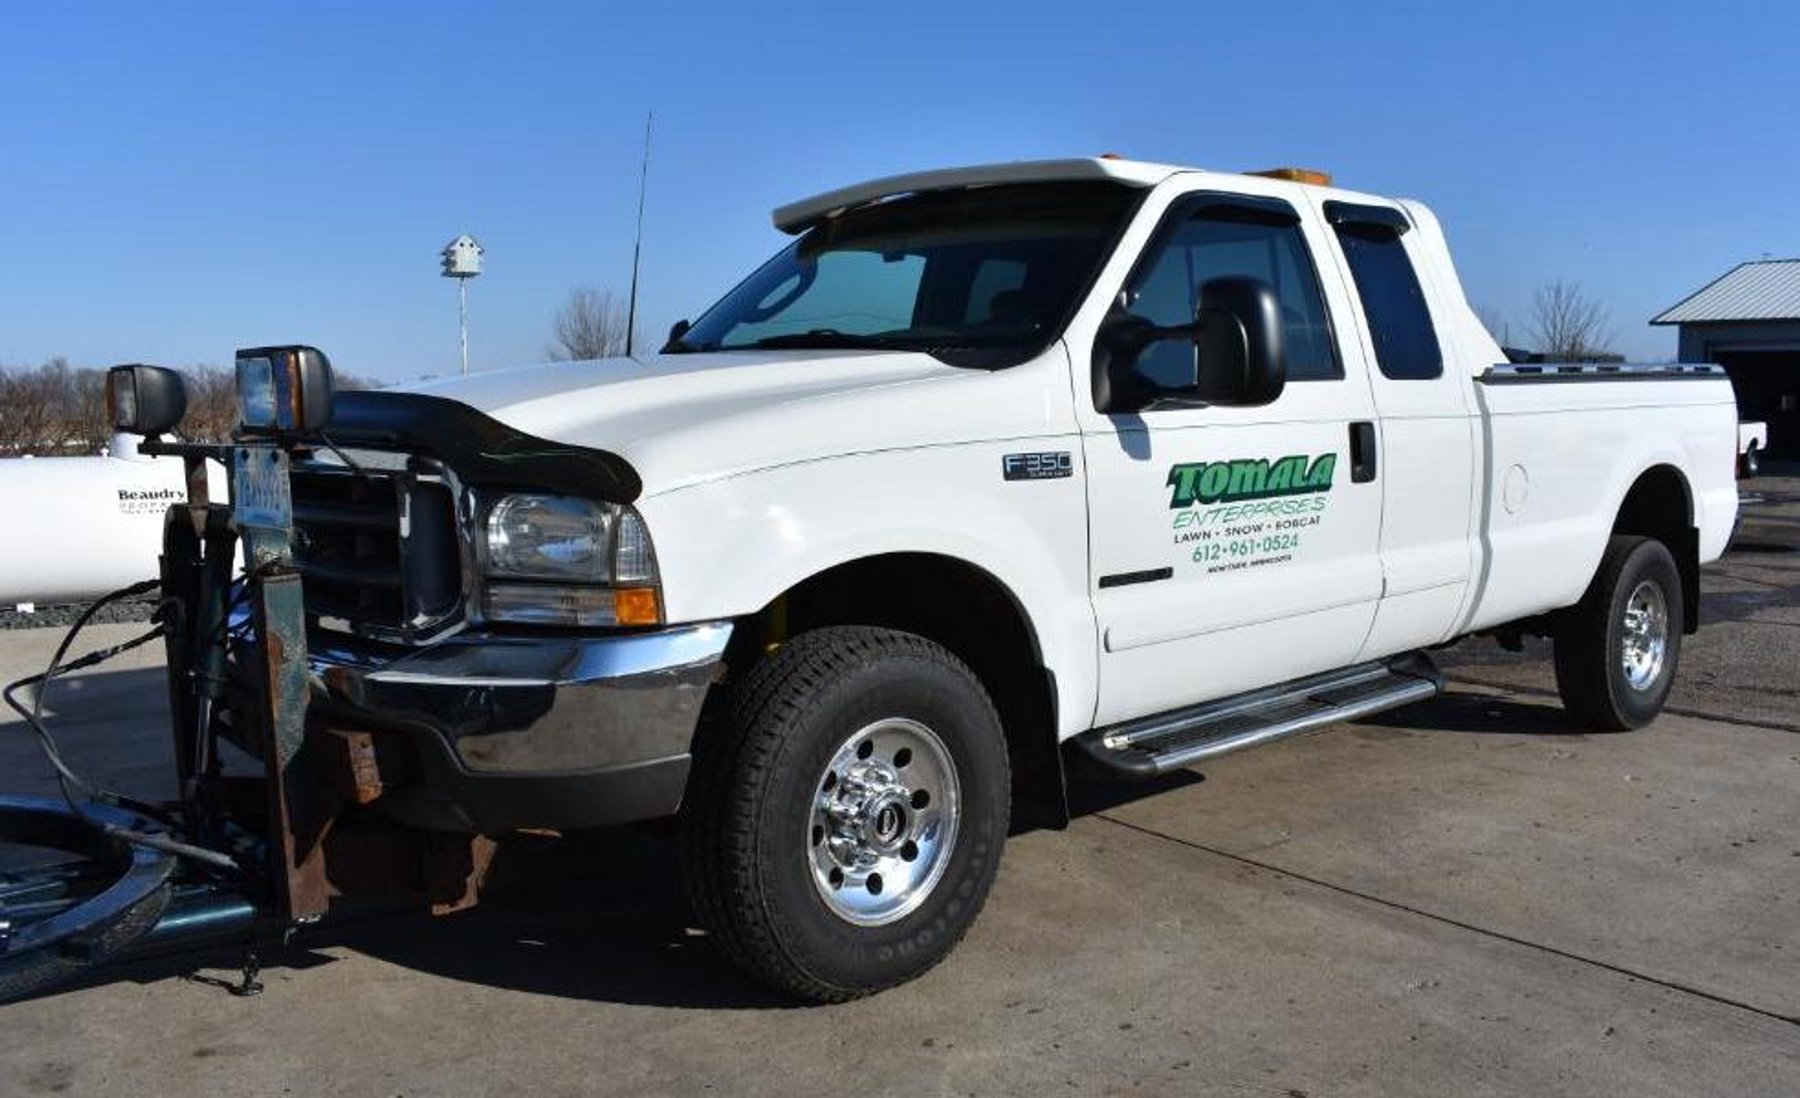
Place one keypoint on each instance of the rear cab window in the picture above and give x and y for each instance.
(1393, 301)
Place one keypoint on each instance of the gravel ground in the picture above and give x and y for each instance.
(63, 615)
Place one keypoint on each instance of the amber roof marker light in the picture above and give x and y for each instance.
(1296, 175)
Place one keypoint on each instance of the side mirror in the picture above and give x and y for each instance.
(1239, 340)
(144, 400)
(1237, 358)
(283, 389)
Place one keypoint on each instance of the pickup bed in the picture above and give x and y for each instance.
(987, 470)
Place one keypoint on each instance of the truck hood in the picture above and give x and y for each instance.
(683, 419)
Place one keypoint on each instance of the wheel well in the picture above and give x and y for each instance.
(1659, 505)
(965, 609)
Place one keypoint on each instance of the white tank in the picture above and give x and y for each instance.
(72, 529)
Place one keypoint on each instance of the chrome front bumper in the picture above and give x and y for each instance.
(535, 730)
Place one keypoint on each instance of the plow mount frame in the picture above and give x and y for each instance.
(237, 672)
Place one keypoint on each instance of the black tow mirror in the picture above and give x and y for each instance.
(1243, 360)
(145, 400)
(1234, 356)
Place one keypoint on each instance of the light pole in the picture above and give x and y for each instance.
(462, 261)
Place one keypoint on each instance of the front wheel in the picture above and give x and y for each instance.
(845, 817)
(1617, 648)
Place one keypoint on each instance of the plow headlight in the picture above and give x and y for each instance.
(144, 400)
(283, 389)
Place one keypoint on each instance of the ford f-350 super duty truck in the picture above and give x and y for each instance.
(989, 469)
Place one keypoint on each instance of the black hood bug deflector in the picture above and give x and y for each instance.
(483, 451)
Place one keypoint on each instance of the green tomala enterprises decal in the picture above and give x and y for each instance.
(1248, 512)
(1209, 482)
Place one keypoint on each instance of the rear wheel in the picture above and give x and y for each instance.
(845, 818)
(1616, 649)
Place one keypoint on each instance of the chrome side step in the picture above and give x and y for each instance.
(1168, 741)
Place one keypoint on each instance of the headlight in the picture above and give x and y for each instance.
(555, 560)
(550, 537)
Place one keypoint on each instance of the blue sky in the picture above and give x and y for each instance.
(177, 180)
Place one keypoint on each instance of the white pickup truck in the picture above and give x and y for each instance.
(988, 468)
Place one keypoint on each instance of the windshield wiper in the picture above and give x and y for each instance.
(822, 338)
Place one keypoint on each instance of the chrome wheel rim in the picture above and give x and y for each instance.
(883, 822)
(1646, 635)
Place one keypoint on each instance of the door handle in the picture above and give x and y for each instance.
(1362, 452)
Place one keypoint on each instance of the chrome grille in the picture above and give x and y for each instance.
(377, 548)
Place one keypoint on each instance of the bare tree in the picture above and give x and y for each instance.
(590, 324)
(212, 406)
(57, 409)
(1568, 325)
(28, 411)
(87, 427)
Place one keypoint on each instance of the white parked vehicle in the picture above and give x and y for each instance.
(1753, 439)
(987, 467)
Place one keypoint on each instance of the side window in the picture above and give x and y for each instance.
(1406, 344)
(1219, 240)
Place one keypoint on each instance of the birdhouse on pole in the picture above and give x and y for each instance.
(462, 261)
(462, 257)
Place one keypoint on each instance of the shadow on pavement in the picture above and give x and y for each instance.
(1467, 712)
(1092, 791)
(596, 917)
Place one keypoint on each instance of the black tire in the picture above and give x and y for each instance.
(1752, 461)
(1591, 638)
(758, 764)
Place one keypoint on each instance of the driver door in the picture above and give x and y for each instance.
(1232, 547)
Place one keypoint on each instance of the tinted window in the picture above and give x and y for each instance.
(1406, 345)
(1219, 241)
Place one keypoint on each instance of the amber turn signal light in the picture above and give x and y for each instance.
(636, 606)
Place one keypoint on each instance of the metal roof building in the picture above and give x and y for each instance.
(1748, 321)
(1766, 289)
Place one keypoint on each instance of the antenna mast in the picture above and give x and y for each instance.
(637, 245)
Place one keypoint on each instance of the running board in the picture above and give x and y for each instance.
(1168, 741)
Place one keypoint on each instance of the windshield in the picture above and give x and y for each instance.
(982, 276)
